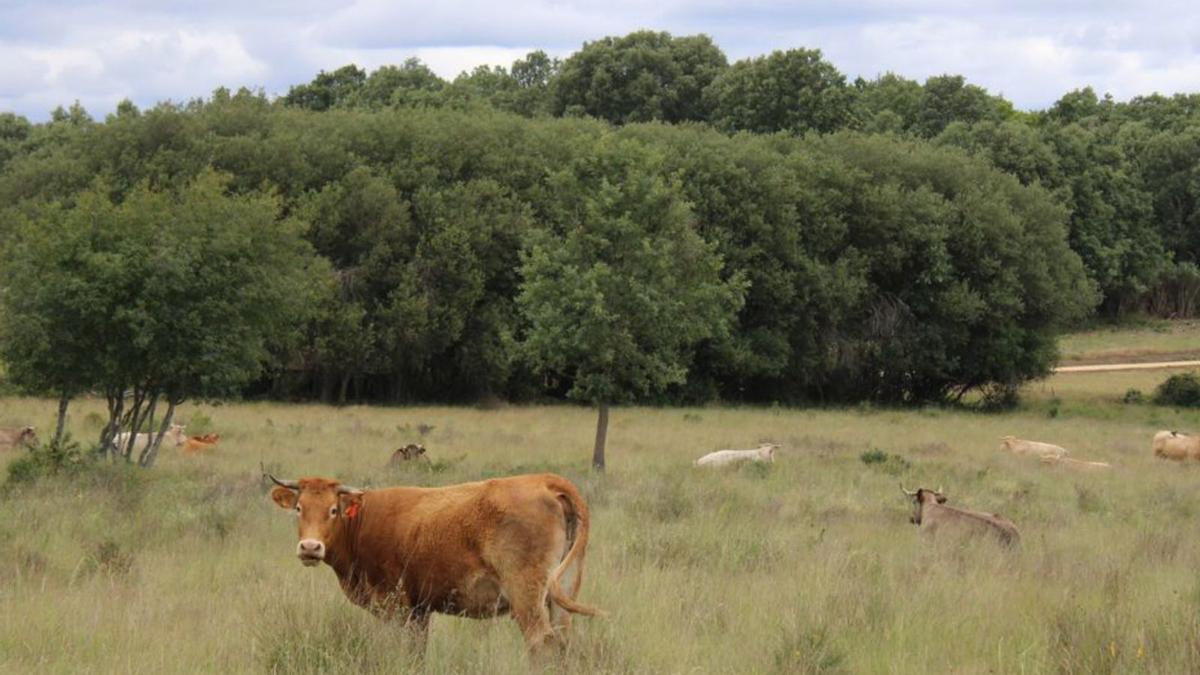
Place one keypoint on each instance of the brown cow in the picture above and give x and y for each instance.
(11, 438)
(477, 549)
(932, 515)
(1175, 445)
(408, 452)
(198, 444)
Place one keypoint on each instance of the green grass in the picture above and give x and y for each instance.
(807, 566)
(1159, 339)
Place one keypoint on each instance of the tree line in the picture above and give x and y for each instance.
(642, 221)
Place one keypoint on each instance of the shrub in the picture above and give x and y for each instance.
(999, 397)
(47, 460)
(893, 465)
(1181, 390)
(1133, 396)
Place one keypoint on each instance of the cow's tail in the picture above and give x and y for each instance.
(578, 522)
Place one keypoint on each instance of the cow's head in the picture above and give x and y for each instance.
(767, 451)
(322, 507)
(921, 497)
(27, 436)
(1006, 442)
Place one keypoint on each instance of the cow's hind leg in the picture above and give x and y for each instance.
(527, 603)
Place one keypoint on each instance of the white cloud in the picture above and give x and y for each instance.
(55, 51)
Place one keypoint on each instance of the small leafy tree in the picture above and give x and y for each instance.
(168, 296)
(621, 288)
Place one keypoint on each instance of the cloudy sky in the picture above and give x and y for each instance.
(1032, 51)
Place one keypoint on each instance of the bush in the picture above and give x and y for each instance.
(999, 397)
(1181, 390)
(893, 465)
(47, 460)
(1133, 396)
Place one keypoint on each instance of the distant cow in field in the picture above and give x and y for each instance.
(506, 545)
(763, 453)
(198, 444)
(932, 515)
(12, 437)
(408, 452)
(1021, 447)
(1075, 464)
(1176, 446)
(174, 435)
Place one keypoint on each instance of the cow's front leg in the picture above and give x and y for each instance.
(417, 627)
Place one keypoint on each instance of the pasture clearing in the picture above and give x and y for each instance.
(1155, 341)
(808, 565)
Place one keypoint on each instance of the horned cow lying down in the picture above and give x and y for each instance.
(1018, 446)
(933, 516)
(763, 453)
(11, 438)
(507, 545)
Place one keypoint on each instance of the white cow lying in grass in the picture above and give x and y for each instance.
(1077, 464)
(763, 453)
(1020, 447)
(174, 435)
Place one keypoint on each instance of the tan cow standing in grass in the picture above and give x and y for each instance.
(763, 453)
(1176, 446)
(507, 545)
(1018, 446)
(933, 516)
(11, 438)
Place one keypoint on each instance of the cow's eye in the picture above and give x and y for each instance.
(332, 511)
(297, 508)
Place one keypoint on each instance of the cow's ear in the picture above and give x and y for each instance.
(286, 498)
(420, 449)
(941, 498)
(349, 503)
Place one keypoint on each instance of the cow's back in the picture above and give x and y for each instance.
(939, 517)
(450, 548)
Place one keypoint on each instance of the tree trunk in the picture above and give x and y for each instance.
(601, 438)
(62, 418)
(342, 388)
(146, 460)
(116, 408)
(147, 416)
(135, 417)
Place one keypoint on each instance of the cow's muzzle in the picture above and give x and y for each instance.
(310, 551)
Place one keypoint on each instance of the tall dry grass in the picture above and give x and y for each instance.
(808, 566)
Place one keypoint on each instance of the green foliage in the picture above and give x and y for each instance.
(794, 90)
(619, 290)
(641, 77)
(891, 464)
(1181, 390)
(49, 459)
(328, 90)
(1133, 396)
(877, 266)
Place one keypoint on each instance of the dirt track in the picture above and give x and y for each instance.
(1102, 367)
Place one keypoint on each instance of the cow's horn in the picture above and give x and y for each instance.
(939, 490)
(910, 494)
(347, 490)
(290, 484)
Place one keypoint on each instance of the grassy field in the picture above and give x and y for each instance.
(1159, 340)
(804, 567)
